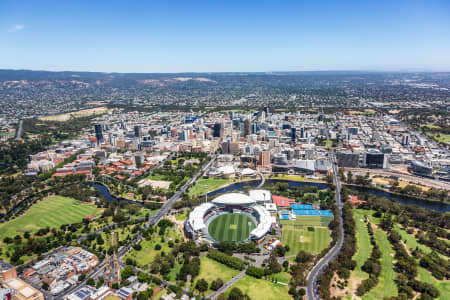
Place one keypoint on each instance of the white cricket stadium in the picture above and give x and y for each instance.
(233, 217)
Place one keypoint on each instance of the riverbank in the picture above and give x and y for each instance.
(242, 186)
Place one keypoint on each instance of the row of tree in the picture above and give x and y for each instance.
(232, 262)
(344, 262)
(372, 265)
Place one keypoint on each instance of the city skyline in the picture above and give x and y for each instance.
(225, 37)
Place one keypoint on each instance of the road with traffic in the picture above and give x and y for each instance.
(19, 131)
(313, 276)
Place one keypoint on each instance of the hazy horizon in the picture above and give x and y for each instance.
(205, 36)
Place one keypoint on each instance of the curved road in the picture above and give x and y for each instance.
(19, 131)
(263, 179)
(313, 276)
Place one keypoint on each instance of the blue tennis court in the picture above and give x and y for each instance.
(301, 206)
(306, 212)
(326, 213)
(284, 217)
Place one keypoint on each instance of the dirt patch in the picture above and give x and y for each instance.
(304, 239)
(179, 224)
(338, 292)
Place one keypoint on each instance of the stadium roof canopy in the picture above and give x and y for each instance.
(233, 199)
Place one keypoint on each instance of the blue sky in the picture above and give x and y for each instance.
(218, 35)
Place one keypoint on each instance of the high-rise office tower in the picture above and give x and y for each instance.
(217, 128)
(98, 132)
(137, 131)
(247, 127)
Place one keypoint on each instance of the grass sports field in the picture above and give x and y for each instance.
(203, 186)
(261, 289)
(308, 221)
(310, 239)
(52, 212)
(231, 227)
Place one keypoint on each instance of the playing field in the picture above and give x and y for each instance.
(52, 212)
(261, 289)
(231, 227)
(308, 221)
(309, 239)
(202, 186)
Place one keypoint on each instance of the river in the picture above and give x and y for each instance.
(240, 186)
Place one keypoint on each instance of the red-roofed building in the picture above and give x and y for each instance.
(87, 172)
(61, 174)
(126, 162)
(281, 201)
(90, 217)
(354, 200)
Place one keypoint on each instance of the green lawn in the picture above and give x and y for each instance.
(363, 250)
(52, 212)
(412, 243)
(308, 221)
(423, 274)
(443, 138)
(159, 294)
(147, 254)
(231, 227)
(210, 270)
(289, 177)
(261, 289)
(203, 186)
(301, 238)
(174, 271)
(181, 217)
(386, 286)
(112, 297)
(282, 277)
(441, 285)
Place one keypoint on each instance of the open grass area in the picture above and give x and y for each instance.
(423, 274)
(308, 221)
(112, 297)
(76, 114)
(289, 177)
(148, 252)
(210, 270)
(386, 286)
(440, 137)
(144, 211)
(174, 271)
(294, 177)
(202, 186)
(412, 243)
(261, 289)
(442, 285)
(231, 227)
(284, 277)
(52, 212)
(181, 217)
(303, 238)
(159, 294)
(363, 250)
